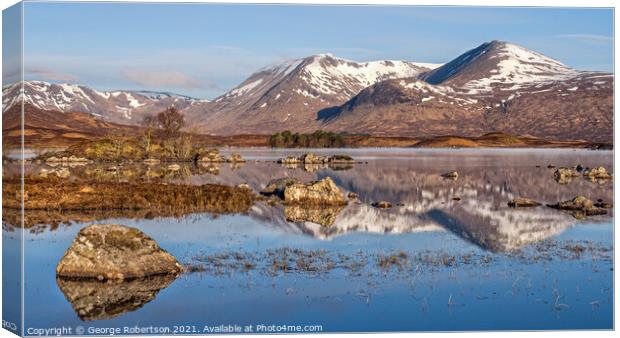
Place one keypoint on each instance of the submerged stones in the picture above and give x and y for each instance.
(382, 204)
(453, 175)
(322, 192)
(115, 252)
(523, 203)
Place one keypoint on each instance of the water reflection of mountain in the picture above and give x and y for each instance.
(481, 216)
(95, 300)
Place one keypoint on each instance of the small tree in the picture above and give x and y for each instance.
(171, 122)
(149, 125)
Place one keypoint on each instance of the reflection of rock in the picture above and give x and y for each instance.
(95, 300)
(322, 192)
(60, 172)
(324, 215)
(565, 175)
(210, 168)
(112, 251)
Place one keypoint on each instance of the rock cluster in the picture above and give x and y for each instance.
(579, 207)
(115, 252)
(67, 159)
(311, 158)
(565, 175)
(599, 173)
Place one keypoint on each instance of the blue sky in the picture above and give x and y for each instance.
(203, 50)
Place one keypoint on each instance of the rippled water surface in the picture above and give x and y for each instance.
(450, 255)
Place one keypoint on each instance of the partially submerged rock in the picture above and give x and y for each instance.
(382, 204)
(236, 158)
(212, 156)
(311, 158)
(289, 160)
(599, 173)
(451, 175)
(523, 203)
(339, 158)
(322, 192)
(115, 252)
(352, 195)
(579, 207)
(276, 187)
(565, 175)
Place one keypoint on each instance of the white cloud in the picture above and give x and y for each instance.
(587, 37)
(161, 79)
(43, 73)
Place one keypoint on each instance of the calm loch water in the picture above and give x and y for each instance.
(450, 255)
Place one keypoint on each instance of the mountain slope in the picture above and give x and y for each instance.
(49, 128)
(288, 96)
(126, 107)
(496, 87)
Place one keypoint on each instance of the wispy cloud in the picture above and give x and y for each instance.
(161, 79)
(588, 37)
(49, 74)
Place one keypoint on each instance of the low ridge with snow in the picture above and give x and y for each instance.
(120, 106)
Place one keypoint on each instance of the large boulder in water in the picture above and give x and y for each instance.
(276, 187)
(323, 192)
(115, 252)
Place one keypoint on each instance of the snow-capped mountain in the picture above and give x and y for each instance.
(289, 95)
(495, 87)
(121, 106)
(499, 65)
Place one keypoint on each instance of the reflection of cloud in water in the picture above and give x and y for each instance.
(95, 300)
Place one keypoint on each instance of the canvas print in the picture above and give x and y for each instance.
(196, 168)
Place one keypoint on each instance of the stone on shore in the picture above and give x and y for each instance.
(322, 192)
(523, 203)
(115, 252)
